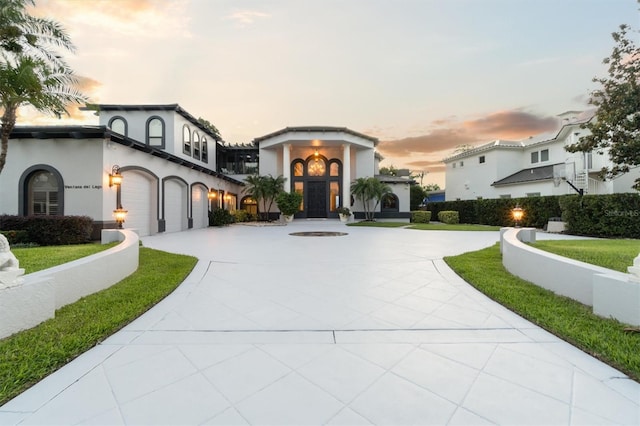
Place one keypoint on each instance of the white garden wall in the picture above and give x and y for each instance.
(34, 301)
(610, 293)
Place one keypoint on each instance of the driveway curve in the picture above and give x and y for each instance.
(371, 327)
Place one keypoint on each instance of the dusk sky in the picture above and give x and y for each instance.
(423, 76)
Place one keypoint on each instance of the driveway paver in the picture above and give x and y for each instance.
(367, 328)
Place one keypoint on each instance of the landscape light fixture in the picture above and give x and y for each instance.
(517, 213)
(120, 214)
(115, 178)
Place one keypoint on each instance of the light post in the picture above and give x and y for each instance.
(517, 213)
(120, 214)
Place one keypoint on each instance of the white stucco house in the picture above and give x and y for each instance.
(537, 166)
(174, 170)
(320, 162)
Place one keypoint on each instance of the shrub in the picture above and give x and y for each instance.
(51, 230)
(220, 217)
(16, 237)
(289, 202)
(242, 216)
(449, 217)
(612, 215)
(420, 216)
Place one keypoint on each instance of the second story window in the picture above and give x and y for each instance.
(118, 125)
(186, 140)
(155, 132)
(534, 157)
(544, 155)
(205, 150)
(482, 159)
(196, 145)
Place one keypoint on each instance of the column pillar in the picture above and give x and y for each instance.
(346, 176)
(286, 166)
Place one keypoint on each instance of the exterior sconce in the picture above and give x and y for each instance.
(316, 155)
(212, 194)
(115, 178)
(120, 214)
(517, 213)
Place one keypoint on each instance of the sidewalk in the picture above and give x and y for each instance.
(366, 328)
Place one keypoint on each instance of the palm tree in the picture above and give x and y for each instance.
(264, 189)
(367, 190)
(31, 71)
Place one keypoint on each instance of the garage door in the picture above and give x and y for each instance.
(199, 206)
(175, 206)
(138, 197)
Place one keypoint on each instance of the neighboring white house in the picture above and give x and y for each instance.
(533, 167)
(174, 170)
(320, 162)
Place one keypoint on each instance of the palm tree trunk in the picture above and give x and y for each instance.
(8, 123)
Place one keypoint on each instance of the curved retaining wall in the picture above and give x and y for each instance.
(578, 280)
(28, 304)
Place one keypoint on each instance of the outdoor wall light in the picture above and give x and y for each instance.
(517, 213)
(115, 178)
(212, 194)
(120, 214)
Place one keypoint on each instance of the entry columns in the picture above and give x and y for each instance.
(286, 166)
(346, 175)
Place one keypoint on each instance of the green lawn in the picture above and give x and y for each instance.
(612, 254)
(34, 259)
(452, 227)
(427, 226)
(379, 224)
(29, 356)
(605, 339)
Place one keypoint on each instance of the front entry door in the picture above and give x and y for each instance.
(316, 199)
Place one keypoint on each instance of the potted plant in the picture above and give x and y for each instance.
(289, 204)
(344, 213)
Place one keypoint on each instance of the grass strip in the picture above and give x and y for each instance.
(29, 356)
(379, 224)
(34, 259)
(452, 227)
(612, 254)
(605, 339)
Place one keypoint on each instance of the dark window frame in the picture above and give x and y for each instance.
(124, 121)
(148, 136)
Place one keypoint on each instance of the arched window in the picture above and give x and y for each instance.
(390, 203)
(205, 150)
(186, 140)
(196, 145)
(298, 168)
(316, 167)
(155, 132)
(42, 191)
(118, 125)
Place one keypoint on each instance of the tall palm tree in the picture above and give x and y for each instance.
(367, 190)
(31, 71)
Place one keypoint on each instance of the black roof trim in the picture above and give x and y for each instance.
(531, 174)
(315, 129)
(101, 132)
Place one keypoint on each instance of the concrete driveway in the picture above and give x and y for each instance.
(366, 328)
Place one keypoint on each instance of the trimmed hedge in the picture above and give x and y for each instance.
(497, 212)
(449, 217)
(50, 230)
(243, 216)
(16, 237)
(612, 215)
(420, 216)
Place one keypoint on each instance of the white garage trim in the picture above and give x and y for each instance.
(139, 196)
(199, 205)
(175, 199)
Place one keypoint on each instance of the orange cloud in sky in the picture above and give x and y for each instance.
(511, 125)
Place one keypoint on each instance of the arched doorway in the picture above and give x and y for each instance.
(319, 180)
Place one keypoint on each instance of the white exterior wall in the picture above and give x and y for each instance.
(84, 180)
(364, 162)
